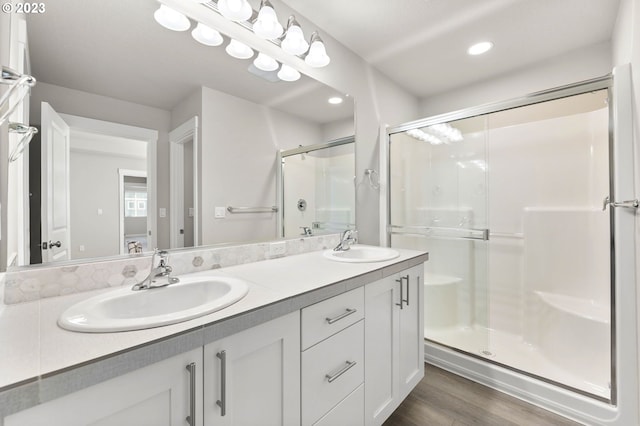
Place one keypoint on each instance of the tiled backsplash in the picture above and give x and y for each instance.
(32, 284)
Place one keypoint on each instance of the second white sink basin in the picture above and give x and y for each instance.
(125, 309)
(362, 254)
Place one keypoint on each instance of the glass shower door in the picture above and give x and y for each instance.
(438, 203)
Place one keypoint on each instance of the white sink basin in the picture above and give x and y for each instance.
(362, 254)
(125, 309)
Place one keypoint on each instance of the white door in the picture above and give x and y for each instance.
(55, 186)
(253, 377)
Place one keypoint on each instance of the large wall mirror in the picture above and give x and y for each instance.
(147, 137)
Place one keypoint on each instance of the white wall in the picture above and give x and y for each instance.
(94, 185)
(89, 105)
(239, 144)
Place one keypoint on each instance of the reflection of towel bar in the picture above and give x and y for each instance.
(271, 209)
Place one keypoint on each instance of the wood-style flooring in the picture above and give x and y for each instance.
(445, 399)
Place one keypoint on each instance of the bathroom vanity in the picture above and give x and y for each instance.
(314, 342)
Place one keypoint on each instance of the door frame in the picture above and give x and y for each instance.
(624, 344)
(108, 128)
(178, 137)
(122, 173)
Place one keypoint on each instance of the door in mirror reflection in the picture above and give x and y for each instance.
(55, 218)
(90, 193)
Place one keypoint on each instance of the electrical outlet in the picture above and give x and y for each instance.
(219, 212)
(277, 249)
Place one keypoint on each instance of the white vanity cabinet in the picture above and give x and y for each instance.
(253, 377)
(394, 346)
(161, 394)
(333, 361)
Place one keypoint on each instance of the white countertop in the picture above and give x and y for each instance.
(33, 346)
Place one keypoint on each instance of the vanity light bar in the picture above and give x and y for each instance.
(315, 38)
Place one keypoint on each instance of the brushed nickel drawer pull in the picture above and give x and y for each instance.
(191, 418)
(348, 365)
(343, 315)
(222, 402)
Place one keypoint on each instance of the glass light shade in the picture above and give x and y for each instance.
(239, 50)
(171, 19)
(206, 35)
(267, 25)
(294, 42)
(317, 56)
(265, 62)
(287, 73)
(235, 10)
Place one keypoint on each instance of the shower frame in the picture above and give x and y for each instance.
(281, 155)
(620, 410)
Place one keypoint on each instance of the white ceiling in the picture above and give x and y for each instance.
(115, 48)
(421, 44)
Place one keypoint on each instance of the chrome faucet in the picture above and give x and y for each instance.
(306, 231)
(346, 240)
(159, 276)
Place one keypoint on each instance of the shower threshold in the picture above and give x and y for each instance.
(509, 350)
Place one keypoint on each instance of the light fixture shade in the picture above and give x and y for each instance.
(294, 42)
(235, 10)
(265, 62)
(239, 50)
(171, 19)
(206, 35)
(287, 73)
(317, 56)
(267, 25)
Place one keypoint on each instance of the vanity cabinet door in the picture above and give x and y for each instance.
(381, 349)
(394, 342)
(160, 394)
(411, 331)
(253, 377)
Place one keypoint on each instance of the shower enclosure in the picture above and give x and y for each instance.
(316, 188)
(511, 206)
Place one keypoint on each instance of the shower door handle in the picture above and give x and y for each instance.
(630, 204)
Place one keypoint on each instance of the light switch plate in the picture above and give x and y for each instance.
(219, 212)
(163, 212)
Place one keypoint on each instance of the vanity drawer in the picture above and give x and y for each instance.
(328, 317)
(331, 370)
(349, 412)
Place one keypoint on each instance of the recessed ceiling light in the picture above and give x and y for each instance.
(480, 48)
(335, 100)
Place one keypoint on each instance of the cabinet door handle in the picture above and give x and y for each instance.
(348, 365)
(222, 402)
(191, 418)
(343, 315)
(401, 304)
(406, 277)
